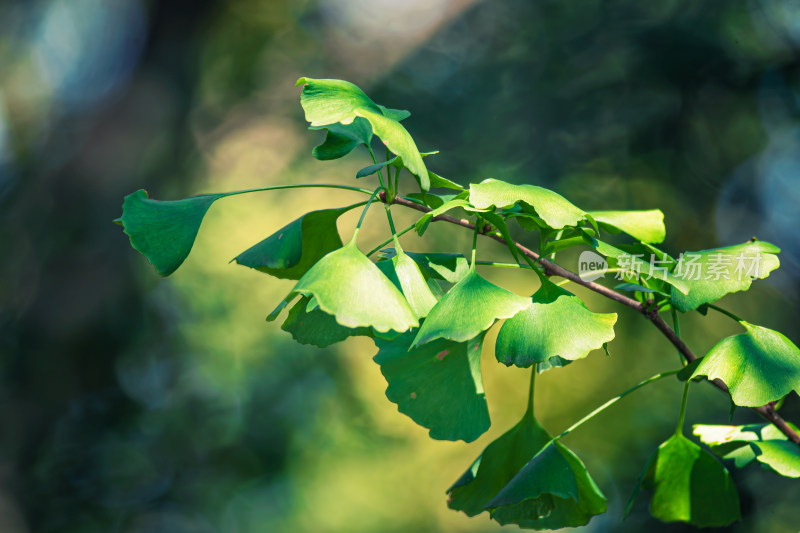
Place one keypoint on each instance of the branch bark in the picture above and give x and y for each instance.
(553, 269)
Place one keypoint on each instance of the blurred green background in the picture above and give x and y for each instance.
(133, 404)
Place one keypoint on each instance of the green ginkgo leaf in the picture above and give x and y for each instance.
(342, 139)
(439, 385)
(451, 268)
(758, 366)
(689, 485)
(745, 444)
(711, 274)
(647, 226)
(470, 307)
(552, 491)
(292, 250)
(330, 101)
(496, 466)
(314, 326)
(631, 261)
(406, 276)
(348, 286)
(525, 479)
(557, 324)
(164, 231)
(555, 210)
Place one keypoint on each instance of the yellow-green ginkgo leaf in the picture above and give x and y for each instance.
(758, 366)
(745, 444)
(348, 286)
(327, 101)
(470, 307)
(647, 226)
(407, 276)
(555, 210)
(558, 324)
(711, 274)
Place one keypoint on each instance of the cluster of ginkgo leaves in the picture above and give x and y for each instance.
(428, 313)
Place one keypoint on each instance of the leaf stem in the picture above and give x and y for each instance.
(390, 239)
(475, 241)
(301, 186)
(614, 400)
(677, 326)
(531, 391)
(725, 312)
(375, 162)
(366, 208)
(682, 416)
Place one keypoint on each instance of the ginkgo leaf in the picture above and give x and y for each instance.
(470, 307)
(745, 444)
(496, 466)
(424, 221)
(164, 231)
(557, 324)
(555, 210)
(438, 181)
(342, 139)
(317, 327)
(552, 491)
(292, 250)
(438, 385)
(406, 276)
(347, 285)
(758, 366)
(633, 264)
(647, 226)
(689, 485)
(330, 101)
(451, 268)
(711, 274)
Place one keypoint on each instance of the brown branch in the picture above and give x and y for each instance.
(553, 269)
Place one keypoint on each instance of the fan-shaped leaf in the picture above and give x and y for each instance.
(557, 324)
(553, 490)
(647, 226)
(555, 210)
(406, 276)
(164, 231)
(758, 366)
(342, 139)
(330, 101)
(451, 268)
(633, 264)
(744, 444)
(689, 485)
(711, 274)
(438, 385)
(468, 309)
(525, 479)
(350, 287)
(292, 250)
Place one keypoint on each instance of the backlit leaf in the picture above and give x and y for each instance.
(347, 285)
(758, 366)
(744, 444)
(164, 231)
(406, 276)
(557, 324)
(711, 274)
(689, 485)
(633, 264)
(555, 210)
(647, 226)
(330, 101)
(470, 307)
(437, 385)
(292, 250)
